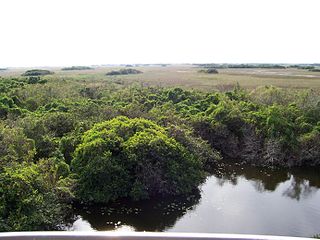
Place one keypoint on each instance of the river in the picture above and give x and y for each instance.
(236, 199)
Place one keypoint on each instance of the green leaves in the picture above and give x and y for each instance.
(133, 157)
(101, 129)
(28, 200)
(15, 146)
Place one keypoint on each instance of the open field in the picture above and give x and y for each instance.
(187, 76)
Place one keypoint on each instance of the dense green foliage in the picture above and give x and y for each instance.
(35, 80)
(136, 158)
(31, 197)
(73, 68)
(37, 72)
(124, 71)
(64, 140)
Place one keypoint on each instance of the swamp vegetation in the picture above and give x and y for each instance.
(65, 141)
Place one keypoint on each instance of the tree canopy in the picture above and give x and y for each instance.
(133, 158)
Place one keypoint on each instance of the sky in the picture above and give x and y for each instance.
(94, 32)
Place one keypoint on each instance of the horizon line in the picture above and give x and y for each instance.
(161, 63)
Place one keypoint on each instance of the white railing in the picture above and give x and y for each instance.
(136, 236)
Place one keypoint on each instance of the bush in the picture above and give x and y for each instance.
(133, 158)
(15, 146)
(28, 202)
(36, 79)
(8, 106)
(59, 123)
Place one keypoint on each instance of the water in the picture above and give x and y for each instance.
(236, 200)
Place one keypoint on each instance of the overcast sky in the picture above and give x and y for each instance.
(85, 32)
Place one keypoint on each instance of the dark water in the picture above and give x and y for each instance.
(236, 200)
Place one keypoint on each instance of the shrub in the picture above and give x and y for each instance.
(59, 123)
(8, 106)
(36, 79)
(28, 202)
(133, 158)
(15, 146)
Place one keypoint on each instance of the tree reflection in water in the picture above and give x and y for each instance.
(299, 188)
(303, 181)
(165, 214)
(147, 215)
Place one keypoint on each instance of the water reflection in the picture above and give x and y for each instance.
(148, 215)
(263, 179)
(235, 199)
(299, 188)
(303, 182)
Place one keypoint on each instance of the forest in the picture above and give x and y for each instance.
(65, 140)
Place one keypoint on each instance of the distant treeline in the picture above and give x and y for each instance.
(209, 70)
(213, 65)
(139, 65)
(3, 69)
(258, 65)
(76, 68)
(37, 72)
(148, 65)
(124, 71)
